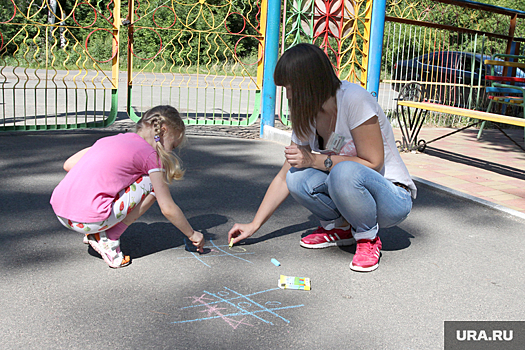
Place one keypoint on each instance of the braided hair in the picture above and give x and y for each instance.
(155, 118)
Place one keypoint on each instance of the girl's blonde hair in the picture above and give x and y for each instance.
(155, 118)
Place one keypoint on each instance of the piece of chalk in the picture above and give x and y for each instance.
(275, 262)
(231, 243)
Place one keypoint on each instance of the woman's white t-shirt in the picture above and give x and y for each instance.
(355, 106)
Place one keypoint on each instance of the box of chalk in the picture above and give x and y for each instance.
(290, 282)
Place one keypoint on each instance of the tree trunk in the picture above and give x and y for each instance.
(51, 12)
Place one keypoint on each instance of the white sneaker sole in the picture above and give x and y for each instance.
(363, 269)
(96, 247)
(341, 242)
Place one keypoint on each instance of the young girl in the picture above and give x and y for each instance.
(342, 165)
(112, 183)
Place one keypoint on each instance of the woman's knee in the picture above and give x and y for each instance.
(394, 213)
(302, 180)
(347, 173)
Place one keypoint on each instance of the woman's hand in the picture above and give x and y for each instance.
(275, 195)
(198, 240)
(298, 157)
(240, 232)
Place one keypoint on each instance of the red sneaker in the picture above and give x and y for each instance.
(367, 254)
(322, 238)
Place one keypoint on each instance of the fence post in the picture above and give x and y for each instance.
(376, 46)
(273, 21)
(115, 64)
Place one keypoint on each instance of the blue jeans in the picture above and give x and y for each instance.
(353, 192)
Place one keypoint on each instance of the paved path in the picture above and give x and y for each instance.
(490, 170)
(450, 260)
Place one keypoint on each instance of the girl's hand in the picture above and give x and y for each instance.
(298, 157)
(198, 240)
(240, 232)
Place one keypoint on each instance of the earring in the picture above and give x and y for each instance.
(156, 138)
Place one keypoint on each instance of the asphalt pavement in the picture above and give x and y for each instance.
(451, 260)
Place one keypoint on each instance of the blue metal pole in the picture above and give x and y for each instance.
(273, 22)
(376, 46)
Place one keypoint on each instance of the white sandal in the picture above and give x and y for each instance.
(109, 250)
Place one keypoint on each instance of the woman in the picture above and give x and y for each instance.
(342, 164)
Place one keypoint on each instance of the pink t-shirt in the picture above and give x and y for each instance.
(113, 163)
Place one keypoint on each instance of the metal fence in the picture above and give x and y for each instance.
(72, 67)
(65, 67)
(198, 68)
(49, 79)
(341, 28)
(441, 46)
(417, 34)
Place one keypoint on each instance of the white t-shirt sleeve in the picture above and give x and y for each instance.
(357, 106)
(297, 141)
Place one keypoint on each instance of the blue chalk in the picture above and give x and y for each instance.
(275, 262)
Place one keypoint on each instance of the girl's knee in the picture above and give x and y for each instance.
(150, 198)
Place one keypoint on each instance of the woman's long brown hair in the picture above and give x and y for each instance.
(307, 70)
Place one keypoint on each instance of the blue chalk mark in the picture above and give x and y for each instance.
(194, 255)
(238, 314)
(216, 246)
(199, 257)
(244, 302)
(206, 246)
(239, 297)
(259, 305)
(212, 256)
(243, 312)
(270, 303)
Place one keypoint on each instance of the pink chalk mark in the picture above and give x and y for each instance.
(199, 299)
(215, 310)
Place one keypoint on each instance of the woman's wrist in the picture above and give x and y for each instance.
(255, 226)
(318, 161)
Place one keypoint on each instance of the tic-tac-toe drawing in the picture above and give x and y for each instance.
(215, 251)
(237, 309)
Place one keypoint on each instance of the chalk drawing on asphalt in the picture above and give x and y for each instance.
(215, 251)
(236, 309)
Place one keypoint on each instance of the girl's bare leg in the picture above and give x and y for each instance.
(140, 209)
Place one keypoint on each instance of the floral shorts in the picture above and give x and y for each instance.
(123, 204)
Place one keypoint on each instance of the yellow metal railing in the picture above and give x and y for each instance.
(341, 28)
(61, 67)
(52, 76)
(195, 64)
(439, 48)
